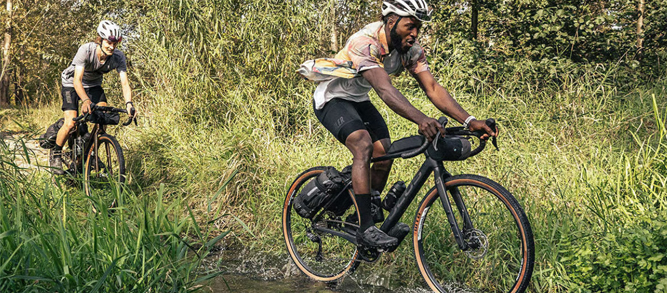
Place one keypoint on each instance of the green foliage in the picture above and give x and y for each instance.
(626, 246)
(50, 241)
(629, 258)
(220, 103)
(583, 32)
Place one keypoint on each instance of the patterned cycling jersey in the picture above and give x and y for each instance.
(340, 77)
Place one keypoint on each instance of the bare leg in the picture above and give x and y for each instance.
(380, 170)
(63, 133)
(360, 145)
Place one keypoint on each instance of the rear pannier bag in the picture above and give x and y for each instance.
(318, 191)
(48, 139)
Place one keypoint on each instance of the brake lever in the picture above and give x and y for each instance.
(128, 122)
(443, 121)
(435, 141)
(491, 123)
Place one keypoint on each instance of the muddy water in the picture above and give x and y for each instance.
(246, 272)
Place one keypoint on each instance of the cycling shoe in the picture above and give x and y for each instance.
(375, 238)
(56, 163)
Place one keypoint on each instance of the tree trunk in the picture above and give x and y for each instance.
(473, 19)
(334, 30)
(18, 82)
(4, 76)
(640, 24)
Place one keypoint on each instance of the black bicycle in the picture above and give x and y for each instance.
(96, 154)
(486, 245)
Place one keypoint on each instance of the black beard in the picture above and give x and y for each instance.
(396, 41)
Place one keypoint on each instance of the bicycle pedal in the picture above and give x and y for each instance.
(366, 254)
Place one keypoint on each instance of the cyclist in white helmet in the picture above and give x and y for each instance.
(82, 80)
(342, 104)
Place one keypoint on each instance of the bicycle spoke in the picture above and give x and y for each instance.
(316, 252)
(104, 172)
(497, 250)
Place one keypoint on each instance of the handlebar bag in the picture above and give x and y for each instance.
(450, 148)
(104, 118)
(318, 192)
(48, 139)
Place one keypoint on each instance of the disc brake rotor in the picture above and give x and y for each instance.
(478, 244)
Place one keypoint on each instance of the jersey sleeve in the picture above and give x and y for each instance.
(364, 53)
(81, 56)
(417, 60)
(122, 63)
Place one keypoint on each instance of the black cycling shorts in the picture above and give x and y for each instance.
(71, 98)
(342, 117)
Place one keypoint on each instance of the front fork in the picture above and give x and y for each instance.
(440, 175)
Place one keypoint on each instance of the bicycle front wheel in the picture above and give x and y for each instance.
(502, 249)
(319, 254)
(104, 172)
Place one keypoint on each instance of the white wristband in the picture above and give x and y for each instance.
(470, 118)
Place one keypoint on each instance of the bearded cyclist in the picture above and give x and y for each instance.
(342, 105)
(82, 80)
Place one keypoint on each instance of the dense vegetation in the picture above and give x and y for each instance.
(578, 89)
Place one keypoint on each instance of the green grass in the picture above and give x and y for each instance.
(226, 127)
(581, 157)
(51, 240)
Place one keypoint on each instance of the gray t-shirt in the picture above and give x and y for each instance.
(93, 69)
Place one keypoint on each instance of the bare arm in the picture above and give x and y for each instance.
(444, 101)
(379, 79)
(80, 91)
(125, 83)
(440, 97)
(127, 92)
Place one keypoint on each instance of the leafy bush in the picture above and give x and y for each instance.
(631, 258)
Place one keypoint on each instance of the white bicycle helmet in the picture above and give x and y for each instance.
(416, 8)
(109, 31)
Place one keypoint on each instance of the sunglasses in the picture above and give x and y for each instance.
(114, 39)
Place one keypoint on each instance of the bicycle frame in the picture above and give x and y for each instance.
(429, 166)
(440, 175)
(85, 148)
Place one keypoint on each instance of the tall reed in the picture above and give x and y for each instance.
(51, 240)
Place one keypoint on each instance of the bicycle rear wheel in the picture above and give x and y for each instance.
(104, 172)
(503, 258)
(319, 254)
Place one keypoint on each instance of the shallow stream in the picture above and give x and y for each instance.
(247, 272)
